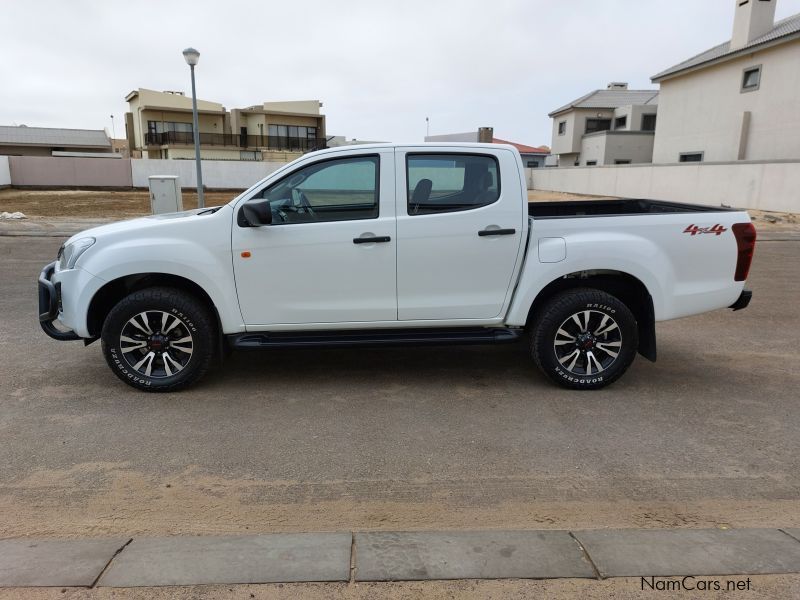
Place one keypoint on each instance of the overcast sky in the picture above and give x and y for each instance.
(379, 67)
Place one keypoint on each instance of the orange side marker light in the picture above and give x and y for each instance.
(246, 254)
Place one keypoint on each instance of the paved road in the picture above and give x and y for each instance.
(434, 438)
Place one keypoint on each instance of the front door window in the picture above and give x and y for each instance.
(336, 190)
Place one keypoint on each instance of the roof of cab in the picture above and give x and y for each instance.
(383, 145)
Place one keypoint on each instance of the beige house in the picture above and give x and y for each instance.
(738, 100)
(606, 127)
(296, 126)
(159, 125)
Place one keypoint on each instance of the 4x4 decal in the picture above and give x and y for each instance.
(715, 229)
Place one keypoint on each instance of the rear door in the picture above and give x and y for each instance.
(459, 230)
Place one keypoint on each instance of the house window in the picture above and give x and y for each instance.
(621, 122)
(165, 126)
(533, 164)
(649, 122)
(593, 125)
(291, 137)
(691, 157)
(562, 127)
(622, 161)
(292, 131)
(751, 79)
(591, 163)
(169, 132)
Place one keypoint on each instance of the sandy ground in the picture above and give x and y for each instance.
(123, 501)
(397, 439)
(94, 203)
(42, 204)
(761, 587)
(462, 438)
(545, 196)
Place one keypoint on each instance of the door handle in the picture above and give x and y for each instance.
(485, 232)
(376, 239)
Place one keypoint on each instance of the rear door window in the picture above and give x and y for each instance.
(450, 182)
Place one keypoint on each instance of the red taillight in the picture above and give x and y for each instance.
(745, 235)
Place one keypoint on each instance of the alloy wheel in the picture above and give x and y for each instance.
(587, 342)
(156, 344)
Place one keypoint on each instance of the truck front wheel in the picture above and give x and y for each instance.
(159, 339)
(584, 338)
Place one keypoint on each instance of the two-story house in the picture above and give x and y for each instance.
(159, 125)
(606, 127)
(739, 100)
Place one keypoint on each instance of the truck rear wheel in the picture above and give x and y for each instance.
(159, 339)
(584, 339)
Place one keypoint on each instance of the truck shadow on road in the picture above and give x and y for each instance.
(491, 367)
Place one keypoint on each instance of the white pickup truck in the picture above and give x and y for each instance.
(395, 244)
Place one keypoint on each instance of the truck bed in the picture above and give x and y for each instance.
(613, 208)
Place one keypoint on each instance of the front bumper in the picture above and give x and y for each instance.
(742, 301)
(48, 306)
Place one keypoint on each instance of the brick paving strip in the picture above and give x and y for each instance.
(396, 556)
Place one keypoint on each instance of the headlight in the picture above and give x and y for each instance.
(72, 252)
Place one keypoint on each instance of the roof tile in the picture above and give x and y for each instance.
(524, 149)
(782, 28)
(47, 136)
(611, 99)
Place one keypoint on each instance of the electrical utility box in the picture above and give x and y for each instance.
(165, 194)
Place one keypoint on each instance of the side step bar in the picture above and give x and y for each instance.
(376, 337)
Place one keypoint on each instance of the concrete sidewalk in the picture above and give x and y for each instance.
(397, 556)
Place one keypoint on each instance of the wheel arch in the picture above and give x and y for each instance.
(113, 291)
(629, 289)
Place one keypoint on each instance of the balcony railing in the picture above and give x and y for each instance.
(234, 140)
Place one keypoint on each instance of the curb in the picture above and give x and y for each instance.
(397, 556)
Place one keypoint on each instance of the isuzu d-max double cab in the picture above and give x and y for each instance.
(395, 244)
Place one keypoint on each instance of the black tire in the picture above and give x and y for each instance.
(576, 334)
(182, 343)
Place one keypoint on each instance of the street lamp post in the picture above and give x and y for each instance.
(113, 130)
(192, 56)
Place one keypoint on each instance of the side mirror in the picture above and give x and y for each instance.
(255, 214)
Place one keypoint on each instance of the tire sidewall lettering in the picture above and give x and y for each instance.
(577, 379)
(602, 307)
(120, 365)
(185, 318)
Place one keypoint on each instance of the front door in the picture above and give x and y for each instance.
(329, 255)
(459, 233)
